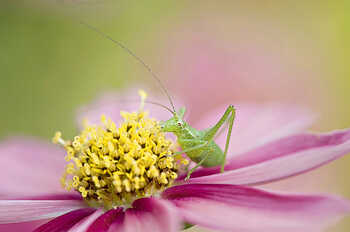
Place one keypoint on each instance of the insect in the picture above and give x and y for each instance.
(198, 145)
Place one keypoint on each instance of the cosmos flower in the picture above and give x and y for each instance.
(124, 178)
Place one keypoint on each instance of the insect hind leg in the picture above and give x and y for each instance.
(229, 116)
(230, 120)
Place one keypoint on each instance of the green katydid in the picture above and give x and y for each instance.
(198, 145)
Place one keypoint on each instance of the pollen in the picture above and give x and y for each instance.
(112, 166)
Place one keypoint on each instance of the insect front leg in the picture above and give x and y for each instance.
(195, 167)
(210, 134)
(192, 145)
(189, 147)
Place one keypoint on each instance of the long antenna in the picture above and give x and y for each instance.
(150, 102)
(122, 46)
(161, 105)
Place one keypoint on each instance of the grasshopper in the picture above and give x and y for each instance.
(198, 145)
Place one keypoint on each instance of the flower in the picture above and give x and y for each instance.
(267, 145)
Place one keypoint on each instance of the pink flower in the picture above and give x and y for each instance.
(267, 145)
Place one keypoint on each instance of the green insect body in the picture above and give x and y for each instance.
(198, 145)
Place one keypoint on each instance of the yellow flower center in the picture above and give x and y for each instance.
(112, 166)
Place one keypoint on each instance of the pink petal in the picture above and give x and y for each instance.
(117, 224)
(255, 124)
(84, 224)
(32, 225)
(66, 221)
(238, 208)
(151, 215)
(22, 227)
(65, 196)
(207, 72)
(13, 211)
(103, 223)
(280, 159)
(30, 167)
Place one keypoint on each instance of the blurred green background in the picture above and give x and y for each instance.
(51, 65)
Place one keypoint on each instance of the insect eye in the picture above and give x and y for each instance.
(179, 124)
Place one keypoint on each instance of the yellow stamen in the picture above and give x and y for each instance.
(143, 96)
(57, 138)
(113, 166)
